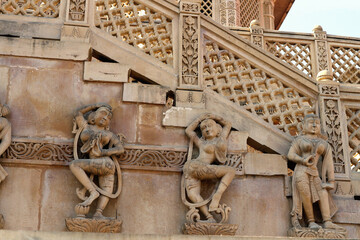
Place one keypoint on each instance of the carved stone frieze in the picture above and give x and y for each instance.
(320, 233)
(193, 99)
(190, 7)
(322, 56)
(75, 33)
(329, 90)
(190, 48)
(77, 10)
(93, 225)
(62, 152)
(333, 131)
(210, 229)
(136, 156)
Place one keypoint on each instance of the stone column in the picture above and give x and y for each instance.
(322, 59)
(228, 13)
(257, 33)
(333, 124)
(267, 14)
(190, 70)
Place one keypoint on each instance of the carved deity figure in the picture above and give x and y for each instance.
(98, 151)
(313, 175)
(212, 147)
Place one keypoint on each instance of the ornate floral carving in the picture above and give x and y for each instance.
(153, 158)
(322, 55)
(39, 151)
(210, 229)
(257, 40)
(329, 90)
(320, 233)
(333, 130)
(190, 7)
(77, 10)
(190, 50)
(93, 225)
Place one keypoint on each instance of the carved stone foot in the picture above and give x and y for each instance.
(318, 233)
(202, 228)
(2, 221)
(93, 225)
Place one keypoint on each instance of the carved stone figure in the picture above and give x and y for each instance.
(95, 151)
(212, 146)
(312, 180)
(5, 137)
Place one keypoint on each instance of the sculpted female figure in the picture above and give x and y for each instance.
(99, 147)
(5, 135)
(212, 147)
(311, 151)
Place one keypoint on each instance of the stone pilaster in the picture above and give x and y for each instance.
(190, 70)
(333, 123)
(267, 14)
(322, 60)
(227, 10)
(257, 33)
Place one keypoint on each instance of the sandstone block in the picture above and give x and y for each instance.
(143, 93)
(265, 164)
(105, 72)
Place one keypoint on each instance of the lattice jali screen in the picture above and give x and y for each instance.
(37, 8)
(255, 90)
(353, 126)
(247, 10)
(346, 64)
(137, 25)
(207, 8)
(296, 54)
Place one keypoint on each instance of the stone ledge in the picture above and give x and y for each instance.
(106, 72)
(29, 235)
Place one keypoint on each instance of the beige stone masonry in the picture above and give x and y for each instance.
(237, 142)
(181, 116)
(106, 72)
(265, 164)
(144, 93)
(193, 99)
(75, 34)
(44, 49)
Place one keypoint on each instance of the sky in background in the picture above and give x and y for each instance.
(337, 17)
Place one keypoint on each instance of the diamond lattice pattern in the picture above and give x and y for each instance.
(136, 25)
(346, 64)
(247, 10)
(296, 54)
(255, 90)
(206, 8)
(353, 125)
(37, 8)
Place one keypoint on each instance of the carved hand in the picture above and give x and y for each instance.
(309, 161)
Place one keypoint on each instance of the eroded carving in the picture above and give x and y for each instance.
(95, 153)
(5, 140)
(190, 7)
(311, 184)
(322, 55)
(212, 146)
(329, 90)
(190, 49)
(77, 10)
(93, 225)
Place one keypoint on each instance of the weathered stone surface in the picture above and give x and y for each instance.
(192, 99)
(320, 233)
(237, 141)
(75, 34)
(93, 225)
(4, 83)
(44, 49)
(144, 93)
(105, 72)
(265, 164)
(57, 203)
(210, 229)
(23, 191)
(181, 116)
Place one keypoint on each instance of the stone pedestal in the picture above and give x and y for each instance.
(210, 229)
(93, 225)
(320, 233)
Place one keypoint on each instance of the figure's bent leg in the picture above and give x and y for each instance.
(107, 184)
(325, 210)
(76, 168)
(228, 175)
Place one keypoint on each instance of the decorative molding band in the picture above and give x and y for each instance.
(135, 156)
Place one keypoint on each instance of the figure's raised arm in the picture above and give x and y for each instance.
(190, 130)
(225, 124)
(79, 117)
